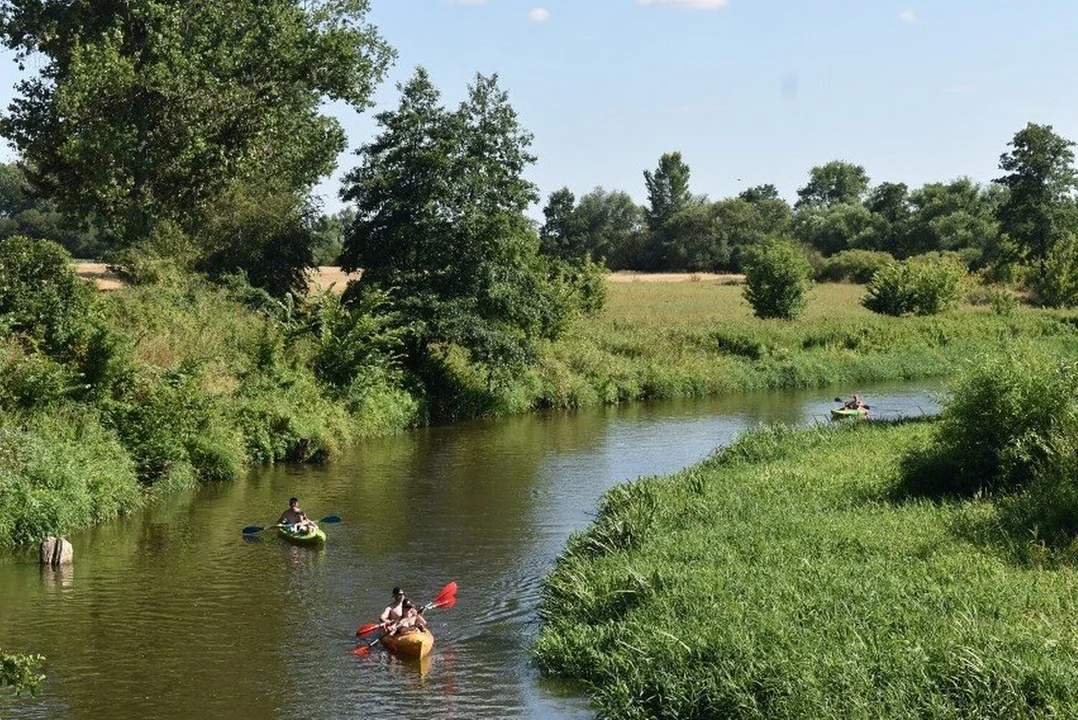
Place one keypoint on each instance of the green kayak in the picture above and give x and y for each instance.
(841, 413)
(302, 538)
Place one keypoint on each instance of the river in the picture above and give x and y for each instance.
(172, 613)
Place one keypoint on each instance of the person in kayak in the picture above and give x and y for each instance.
(856, 404)
(412, 621)
(394, 611)
(295, 519)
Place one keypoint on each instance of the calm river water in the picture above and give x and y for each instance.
(171, 614)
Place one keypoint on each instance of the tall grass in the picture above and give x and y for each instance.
(779, 580)
(662, 340)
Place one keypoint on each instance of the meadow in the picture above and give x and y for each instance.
(787, 576)
(676, 339)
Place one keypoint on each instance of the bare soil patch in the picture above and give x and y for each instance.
(328, 276)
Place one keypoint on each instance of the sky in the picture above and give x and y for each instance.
(749, 91)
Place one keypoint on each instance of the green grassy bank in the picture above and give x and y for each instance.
(783, 578)
(167, 384)
(677, 339)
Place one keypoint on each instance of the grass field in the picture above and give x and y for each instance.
(673, 339)
(782, 579)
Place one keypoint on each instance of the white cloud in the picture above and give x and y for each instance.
(690, 4)
(908, 16)
(539, 15)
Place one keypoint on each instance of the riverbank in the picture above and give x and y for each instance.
(783, 578)
(194, 382)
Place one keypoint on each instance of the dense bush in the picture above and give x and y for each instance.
(856, 266)
(1055, 282)
(777, 279)
(1010, 418)
(58, 472)
(40, 296)
(923, 285)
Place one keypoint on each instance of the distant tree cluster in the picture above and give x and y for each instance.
(1021, 226)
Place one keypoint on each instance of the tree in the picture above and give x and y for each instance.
(22, 212)
(614, 228)
(146, 111)
(441, 226)
(777, 280)
(835, 183)
(835, 228)
(950, 216)
(561, 235)
(1040, 208)
(668, 190)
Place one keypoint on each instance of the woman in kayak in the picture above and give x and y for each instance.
(394, 611)
(296, 519)
(412, 621)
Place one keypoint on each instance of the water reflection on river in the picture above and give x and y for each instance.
(170, 614)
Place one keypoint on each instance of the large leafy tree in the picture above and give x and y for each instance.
(440, 224)
(148, 110)
(1040, 208)
(836, 183)
(668, 190)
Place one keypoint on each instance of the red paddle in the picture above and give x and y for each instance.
(444, 596)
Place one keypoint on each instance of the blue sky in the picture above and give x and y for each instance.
(750, 91)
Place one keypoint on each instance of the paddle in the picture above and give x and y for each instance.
(252, 529)
(446, 598)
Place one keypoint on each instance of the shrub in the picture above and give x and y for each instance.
(777, 279)
(40, 295)
(59, 472)
(1009, 418)
(852, 266)
(1055, 282)
(922, 285)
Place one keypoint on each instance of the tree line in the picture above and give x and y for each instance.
(1027, 216)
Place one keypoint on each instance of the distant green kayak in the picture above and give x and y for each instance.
(303, 538)
(842, 413)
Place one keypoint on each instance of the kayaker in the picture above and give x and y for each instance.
(855, 404)
(296, 519)
(394, 611)
(412, 621)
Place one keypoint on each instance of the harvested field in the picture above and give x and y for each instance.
(329, 276)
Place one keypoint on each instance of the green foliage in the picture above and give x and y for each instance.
(1041, 180)
(1055, 283)
(777, 280)
(32, 381)
(1009, 418)
(59, 471)
(668, 190)
(21, 672)
(836, 183)
(23, 213)
(837, 227)
(441, 226)
(146, 111)
(266, 235)
(856, 266)
(40, 296)
(923, 285)
(777, 580)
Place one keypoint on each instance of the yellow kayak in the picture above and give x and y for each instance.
(411, 646)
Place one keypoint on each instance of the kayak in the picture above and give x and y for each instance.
(842, 413)
(302, 538)
(410, 646)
